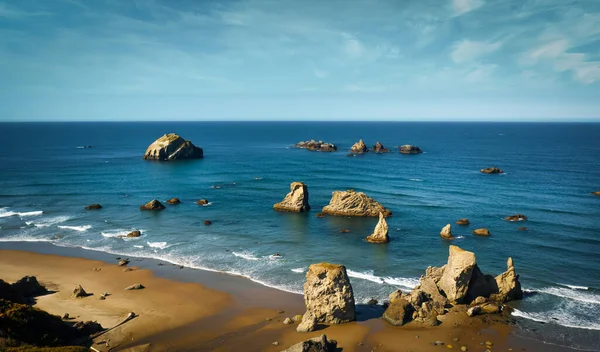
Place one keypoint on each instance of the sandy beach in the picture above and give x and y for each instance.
(221, 312)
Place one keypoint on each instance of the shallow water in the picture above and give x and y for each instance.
(551, 170)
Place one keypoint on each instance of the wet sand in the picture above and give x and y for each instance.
(194, 310)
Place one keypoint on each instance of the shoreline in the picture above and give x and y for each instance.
(242, 312)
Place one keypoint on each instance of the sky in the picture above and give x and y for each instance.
(416, 60)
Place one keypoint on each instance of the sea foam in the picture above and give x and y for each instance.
(76, 228)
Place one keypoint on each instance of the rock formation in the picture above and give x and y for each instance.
(172, 147)
(457, 274)
(93, 207)
(516, 217)
(79, 292)
(351, 203)
(296, 200)
(446, 232)
(328, 294)
(463, 221)
(28, 286)
(359, 148)
(319, 146)
(380, 234)
(410, 149)
(481, 232)
(134, 233)
(152, 205)
(399, 312)
(379, 148)
(509, 287)
(492, 170)
(316, 344)
(173, 201)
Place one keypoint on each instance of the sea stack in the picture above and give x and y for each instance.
(296, 200)
(152, 205)
(172, 147)
(319, 146)
(359, 148)
(446, 232)
(457, 274)
(379, 148)
(380, 234)
(410, 149)
(352, 203)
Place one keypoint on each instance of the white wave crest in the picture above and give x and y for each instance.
(6, 213)
(245, 255)
(76, 228)
(575, 287)
(559, 318)
(159, 245)
(115, 233)
(365, 276)
(576, 295)
(402, 281)
(138, 246)
(47, 222)
(299, 270)
(416, 179)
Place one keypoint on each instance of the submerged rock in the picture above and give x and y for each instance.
(379, 148)
(328, 294)
(316, 344)
(93, 207)
(207, 222)
(359, 148)
(596, 193)
(173, 201)
(410, 149)
(492, 170)
(463, 221)
(457, 274)
(482, 232)
(172, 147)
(319, 146)
(152, 205)
(446, 232)
(296, 200)
(516, 217)
(351, 203)
(134, 234)
(522, 229)
(380, 234)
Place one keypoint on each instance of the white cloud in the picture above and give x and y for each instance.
(12, 13)
(320, 73)
(463, 6)
(480, 74)
(352, 46)
(467, 50)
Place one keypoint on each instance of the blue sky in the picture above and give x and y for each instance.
(300, 60)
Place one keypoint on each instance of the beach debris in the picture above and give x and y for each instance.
(202, 202)
(379, 148)
(328, 294)
(173, 201)
(410, 149)
(123, 262)
(319, 146)
(446, 232)
(172, 147)
(134, 287)
(316, 344)
(516, 217)
(491, 170)
(207, 222)
(380, 234)
(152, 205)
(296, 200)
(482, 232)
(79, 292)
(352, 203)
(463, 222)
(93, 207)
(288, 321)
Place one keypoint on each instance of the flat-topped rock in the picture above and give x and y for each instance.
(319, 146)
(352, 203)
(492, 170)
(379, 148)
(516, 217)
(410, 149)
(152, 205)
(328, 294)
(380, 234)
(482, 232)
(359, 148)
(172, 147)
(463, 222)
(296, 200)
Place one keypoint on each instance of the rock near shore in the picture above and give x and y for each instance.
(516, 217)
(380, 234)
(319, 146)
(316, 344)
(482, 232)
(93, 207)
(172, 147)
(152, 205)
(410, 149)
(446, 232)
(296, 200)
(352, 203)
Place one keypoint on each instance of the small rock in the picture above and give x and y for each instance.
(93, 207)
(516, 217)
(372, 302)
(276, 343)
(173, 201)
(489, 343)
(152, 205)
(463, 221)
(134, 287)
(280, 311)
(492, 170)
(288, 321)
(449, 346)
(123, 262)
(344, 230)
(321, 215)
(481, 232)
(455, 339)
(66, 316)
(522, 229)
(127, 269)
(464, 348)
(202, 202)
(135, 233)
(207, 222)
(438, 343)
(297, 317)
(79, 292)
(102, 298)
(308, 323)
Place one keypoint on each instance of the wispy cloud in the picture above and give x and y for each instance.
(463, 6)
(467, 50)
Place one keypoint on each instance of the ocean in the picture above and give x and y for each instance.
(551, 170)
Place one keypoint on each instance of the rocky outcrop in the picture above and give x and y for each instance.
(492, 170)
(379, 148)
(351, 203)
(410, 149)
(28, 286)
(296, 200)
(482, 232)
(509, 287)
(516, 217)
(457, 274)
(463, 222)
(359, 148)
(93, 207)
(79, 292)
(152, 205)
(134, 233)
(172, 147)
(319, 146)
(328, 294)
(380, 234)
(173, 201)
(446, 232)
(399, 312)
(316, 344)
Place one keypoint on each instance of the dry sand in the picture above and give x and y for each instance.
(226, 313)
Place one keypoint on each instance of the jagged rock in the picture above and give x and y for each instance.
(79, 292)
(410, 149)
(379, 148)
(93, 207)
(28, 286)
(394, 296)
(317, 146)
(482, 232)
(431, 318)
(399, 312)
(328, 294)
(296, 200)
(435, 273)
(152, 205)
(463, 222)
(492, 170)
(446, 232)
(202, 202)
(173, 201)
(516, 217)
(380, 234)
(316, 344)
(207, 222)
(8, 293)
(478, 301)
(481, 286)
(432, 293)
(88, 327)
(172, 147)
(308, 323)
(457, 274)
(509, 287)
(359, 148)
(352, 203)
(134, 233)
(134, 287)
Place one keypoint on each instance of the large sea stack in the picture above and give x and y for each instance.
(380, 234)
(296, 200)
(319, 146)
(352, 203)
(359, 148)
(172, 147)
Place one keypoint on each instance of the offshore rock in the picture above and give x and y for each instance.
(93, 207)
(516, 217)
(328, 294)
(359, 148)
(379, 148)
(351, 203)
(319, 146)
(410, 149)
(463, 221)
(509, 287)
(296, 200)
(172, 147)
(492, 170)
(446, 232)
(152, 205)
(173, 201)
(380, 234)
(482, 232)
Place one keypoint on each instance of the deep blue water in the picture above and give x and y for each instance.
(550, 172)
